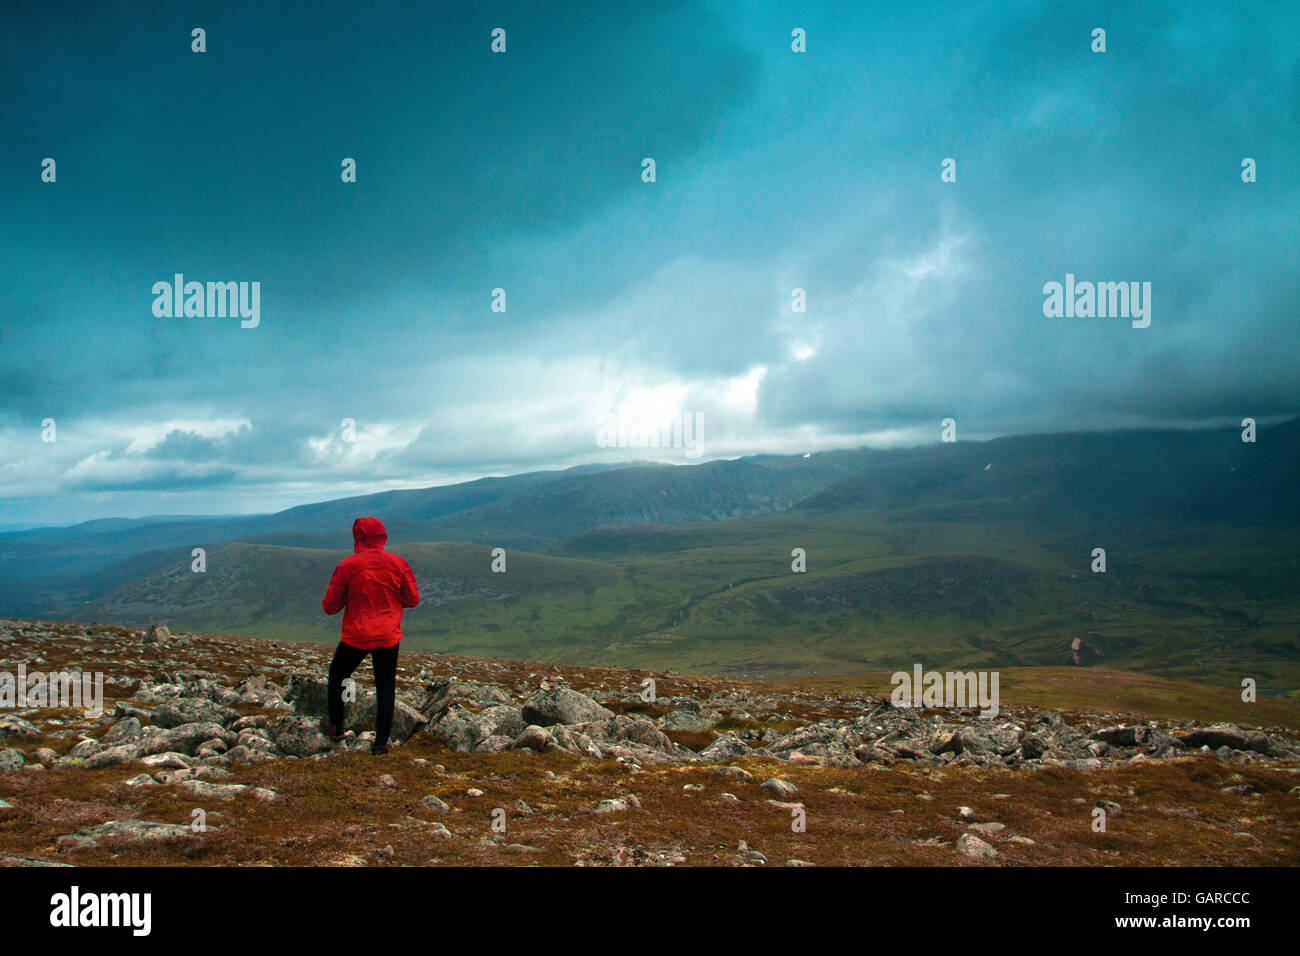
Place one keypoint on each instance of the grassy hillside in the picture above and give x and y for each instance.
(965, 555)
(1208, 603)
(54, 572)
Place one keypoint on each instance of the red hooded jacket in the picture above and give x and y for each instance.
(374, 586)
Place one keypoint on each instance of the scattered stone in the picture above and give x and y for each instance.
(298, 736)
(561, 705)
(158, 634)
(11, 759)
(747, 857)
(134, 831)
(618, 804)
(975, 848)
(191, 710)
(782, 788)
(732, 774)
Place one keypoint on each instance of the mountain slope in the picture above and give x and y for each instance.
(1111, 476)
(53, 572)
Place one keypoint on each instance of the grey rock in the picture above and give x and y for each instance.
(975, 848)
(185, 738)
(123, 731)
(561, 705)
(203, 790)
(192, 710)
(725, 747)
(504, 720)
(534, 738)
(308, 695)
(782, 788)
(111, 756)
(12, 725)
(135, 831)
(297, 736)
(1228, 735)
(617, 804)
(11, 759)
(459, 727)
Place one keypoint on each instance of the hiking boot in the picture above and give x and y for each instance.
(379, 749)
(333, 731)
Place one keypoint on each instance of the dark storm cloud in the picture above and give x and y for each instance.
(522, 171)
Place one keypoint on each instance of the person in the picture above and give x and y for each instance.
(374, 585)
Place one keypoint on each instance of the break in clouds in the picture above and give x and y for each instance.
(839, 246)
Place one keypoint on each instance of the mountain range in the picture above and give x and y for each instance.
(968, 553)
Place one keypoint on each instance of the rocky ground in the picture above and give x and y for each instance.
(502, 762)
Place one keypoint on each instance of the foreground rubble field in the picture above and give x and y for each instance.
(508, 763)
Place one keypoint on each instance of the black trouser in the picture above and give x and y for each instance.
(346, 660)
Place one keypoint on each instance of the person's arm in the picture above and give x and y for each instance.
(410, 593)
(336, 595)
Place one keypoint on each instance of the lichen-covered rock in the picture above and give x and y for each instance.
(459, 727)
(11, 759)
(192, 710)
(185, 738)
(296, 736)
(561, 705)
(535, 738)
(725, 747)
(1228, 735)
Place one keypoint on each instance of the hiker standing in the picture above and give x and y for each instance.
(374, 586)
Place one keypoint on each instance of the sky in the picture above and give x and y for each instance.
(378, 360)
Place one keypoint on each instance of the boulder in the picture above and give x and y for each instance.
(308, 695)
(361, 716)
(1227, 735)
(296, 736)
(725, 747)
(459, 727)
(12, 725)
(134, 831)
(534, 738)
(782, 788)
(203, 790)
(11, 759)
(975, 848)
(185, 738)
(192, 710)
(123, 731)
(109, 757)
(624, 729)
(504, 719)
(689, 720)
(561, 705)
(158, 634)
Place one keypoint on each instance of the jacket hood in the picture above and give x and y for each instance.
(368, 533)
